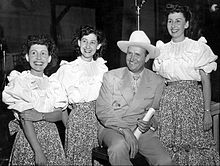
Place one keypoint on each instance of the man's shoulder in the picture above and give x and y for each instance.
(154, 76)
(116, 72)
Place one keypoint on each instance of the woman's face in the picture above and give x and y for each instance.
(38, 58)
(176, 25)
(88, 46)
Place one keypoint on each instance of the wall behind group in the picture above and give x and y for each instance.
(147, 20)
(19, 18)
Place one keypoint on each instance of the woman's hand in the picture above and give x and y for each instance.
(40, 158)
(31, 115)
(207, 120)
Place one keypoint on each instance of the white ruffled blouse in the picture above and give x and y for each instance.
(81, 79)
(26, 91)
(182, 60)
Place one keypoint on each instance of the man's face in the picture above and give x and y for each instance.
(135, 58)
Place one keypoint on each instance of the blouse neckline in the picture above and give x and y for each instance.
(176, 43)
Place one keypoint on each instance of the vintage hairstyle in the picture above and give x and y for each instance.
(86, 30)
(42, 40)
(172, 8)
(194, 30)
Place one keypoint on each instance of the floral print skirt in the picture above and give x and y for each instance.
(49, 139)
(181, 125)
(81, 134)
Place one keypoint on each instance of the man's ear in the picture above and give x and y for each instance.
(98, 46)
(79, 43)
(27, 57)
(147, 58)
(49, 59)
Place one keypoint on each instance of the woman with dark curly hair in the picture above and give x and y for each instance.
(82, 79)
(37, 102)
(184, 113)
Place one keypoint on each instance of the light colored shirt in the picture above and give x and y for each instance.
(182, 60)
(26, 91)
(81, 79)
(136, 78)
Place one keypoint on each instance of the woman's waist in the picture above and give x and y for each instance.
(85, 105)
(183, 82)
(76, 97)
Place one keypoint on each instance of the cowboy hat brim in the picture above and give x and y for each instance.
(153, 51)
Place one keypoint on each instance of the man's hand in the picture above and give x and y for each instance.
(31, 115)
(154, 123)
(143, 126)
(131, 140)
(207, 120)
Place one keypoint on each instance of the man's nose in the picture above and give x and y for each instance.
(132, 58)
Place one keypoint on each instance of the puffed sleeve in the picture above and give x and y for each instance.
(157, 60)
(102, 67)
(59, 75)
(69, 76)
(59, 94)
(206, 58)
(16, 93)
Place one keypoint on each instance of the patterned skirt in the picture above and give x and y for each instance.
(49, 139)
(181, 125)
(81, 134)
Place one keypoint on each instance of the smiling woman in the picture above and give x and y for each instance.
(82, 79)
(38, 59)
(37, 102)
(184, 113)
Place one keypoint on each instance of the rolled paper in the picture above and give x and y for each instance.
(147, 117)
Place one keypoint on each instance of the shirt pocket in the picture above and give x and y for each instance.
(119, 103)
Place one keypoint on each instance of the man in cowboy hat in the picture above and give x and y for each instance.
(123, 102)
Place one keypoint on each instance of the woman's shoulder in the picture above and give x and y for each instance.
(54, 82)
(201, 43)
(69, 66)
(161, 44)
(200, 48)
(16, 75)
(101, 63)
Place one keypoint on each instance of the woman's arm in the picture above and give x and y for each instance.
(34, 115)
(30, 134)
(206, 86)
(64, 117)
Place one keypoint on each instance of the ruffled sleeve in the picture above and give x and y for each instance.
(58, 93)
(159, 44)
(69, 76)
(206, 58)
(102, 67)
(157, 60)
(16, 94)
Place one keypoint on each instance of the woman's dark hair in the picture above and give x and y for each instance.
(86, 30)
(194, 30)
(42, 40)
(176, 8)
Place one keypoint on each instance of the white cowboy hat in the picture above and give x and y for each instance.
(139, 38)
